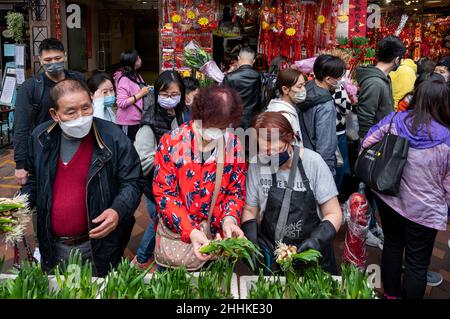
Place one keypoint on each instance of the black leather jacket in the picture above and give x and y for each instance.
(247, 82)
(114, 181)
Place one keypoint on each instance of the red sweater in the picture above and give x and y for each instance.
(69, 211)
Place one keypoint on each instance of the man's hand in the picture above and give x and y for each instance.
(199, 239)
(21, 176)
(230, 229)
(108, 221)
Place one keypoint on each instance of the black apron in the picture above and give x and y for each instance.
(296, 221)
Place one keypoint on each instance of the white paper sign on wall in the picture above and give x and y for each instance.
(73, 16)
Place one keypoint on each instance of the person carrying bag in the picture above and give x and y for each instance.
(381, 166)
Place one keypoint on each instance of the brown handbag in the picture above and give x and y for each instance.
(170, 250)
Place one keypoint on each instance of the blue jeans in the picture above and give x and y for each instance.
(147, 246)
(343, 170)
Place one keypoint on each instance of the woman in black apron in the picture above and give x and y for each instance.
(290, 214)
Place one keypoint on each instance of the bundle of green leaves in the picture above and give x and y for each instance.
(125, 282)
(31, 283)
(170, 284)
(214, 281)
(234, 249)
(355, 283)
(265, 288)
(75, 280)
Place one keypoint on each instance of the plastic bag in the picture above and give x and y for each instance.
(352, 126)
(306, 65)
(356, 213)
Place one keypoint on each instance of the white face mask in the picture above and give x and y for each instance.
(300, 96)
(212, 134)
(78, 128)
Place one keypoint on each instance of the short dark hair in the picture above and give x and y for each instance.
(390, 48)
(67, 86)
(51, 44)
(217, 107)
(97, 79)
(328, 65)
(191, 84)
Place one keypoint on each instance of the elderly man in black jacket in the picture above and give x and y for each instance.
(85, 182)
(247, 82)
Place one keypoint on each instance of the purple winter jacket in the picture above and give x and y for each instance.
(424, 195)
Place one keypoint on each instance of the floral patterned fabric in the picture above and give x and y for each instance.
(183, 186)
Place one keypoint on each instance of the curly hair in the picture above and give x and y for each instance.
(218, 107)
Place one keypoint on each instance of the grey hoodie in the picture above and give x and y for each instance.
(318, 123)
(375, 100)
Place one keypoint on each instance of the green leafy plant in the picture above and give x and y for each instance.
(31, 283)
(355, 283)
(75, 279)
(125, 282)
(15, 22)
(233, 248)
(267, 289)
(314, 283)
(214, 282)
(170, 284)
(195, 57)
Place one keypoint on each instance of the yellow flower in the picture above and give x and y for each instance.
(321, 19)
(191, 15)
(176, 18)
(290, 32)
(265, 25)
(203, 21)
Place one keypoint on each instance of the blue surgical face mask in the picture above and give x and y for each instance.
(109, 101)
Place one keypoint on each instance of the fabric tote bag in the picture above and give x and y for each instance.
(170, 250)
(381, 166)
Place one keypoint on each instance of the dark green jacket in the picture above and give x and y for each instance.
(375, 100)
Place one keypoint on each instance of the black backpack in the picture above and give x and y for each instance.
(38, 93)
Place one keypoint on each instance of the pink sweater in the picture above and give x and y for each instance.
(127, 114)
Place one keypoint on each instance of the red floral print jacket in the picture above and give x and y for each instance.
(183, 186)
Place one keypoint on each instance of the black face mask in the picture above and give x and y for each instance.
(282, 157)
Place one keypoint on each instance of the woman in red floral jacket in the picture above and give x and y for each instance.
(185, 170)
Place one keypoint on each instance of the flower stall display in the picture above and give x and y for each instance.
(197, 58)
(182, 22)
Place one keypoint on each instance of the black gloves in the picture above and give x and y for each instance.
(250, 229)
(320, 237)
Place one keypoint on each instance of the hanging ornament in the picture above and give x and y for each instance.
(203, 21)
(191, 15)
(321, 19)
(176, 18)
(290, 32)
